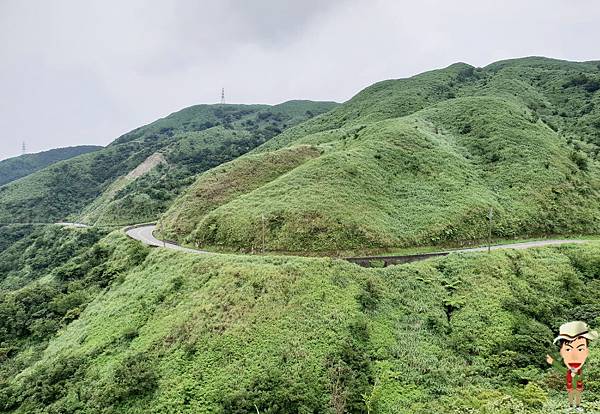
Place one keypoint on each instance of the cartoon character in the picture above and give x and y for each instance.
(573, 340)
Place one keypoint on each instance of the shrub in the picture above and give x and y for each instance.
(591, 86)
(533, 396)
(134, 377)
(50, 383)
(580, 159)
(350, 371)
(370, 295)
(137, 254)
(465, 74)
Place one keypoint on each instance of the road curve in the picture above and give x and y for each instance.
(145, 235)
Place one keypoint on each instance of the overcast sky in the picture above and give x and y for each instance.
(83, 72)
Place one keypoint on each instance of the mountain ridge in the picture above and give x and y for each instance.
(192, 140)
(13, 168)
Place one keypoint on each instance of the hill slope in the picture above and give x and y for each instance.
(191, 141)
(421, 161)
(14, 168)
(123, 328)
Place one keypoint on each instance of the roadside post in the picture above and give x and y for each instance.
(490, 218)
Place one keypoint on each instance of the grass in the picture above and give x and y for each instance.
(424, 179)
(192, 140)
(409, 250)
(230, 333)
(94, 323)
(222, 183)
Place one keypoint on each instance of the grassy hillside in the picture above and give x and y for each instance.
(14, 168)
(192, 140)
(225, 183)
(420, 161)
(121, 328)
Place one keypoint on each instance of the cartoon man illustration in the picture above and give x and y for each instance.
(573, 340)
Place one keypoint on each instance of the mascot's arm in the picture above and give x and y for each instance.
(556, 363)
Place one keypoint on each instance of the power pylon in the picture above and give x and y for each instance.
(222, 95)
(23, 148)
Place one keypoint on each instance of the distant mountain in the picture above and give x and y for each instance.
(14, 168)
(96, 187)
(415, 161)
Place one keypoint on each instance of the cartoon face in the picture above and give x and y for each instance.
(574, 353)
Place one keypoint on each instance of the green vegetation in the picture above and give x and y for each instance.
(47, 278)
(12, 234)
(92, 322)
(34, 254)
(192, 140)
(226, 182)
(419, 162)
(14, 168)
(124, 328)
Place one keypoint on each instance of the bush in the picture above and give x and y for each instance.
(273, 392)
(370, 295)
(134, 377)
(533, 396)
(137, 253)
(350, 371)
(466, 74)
(591, 86)
(580, 159)
(51, 382)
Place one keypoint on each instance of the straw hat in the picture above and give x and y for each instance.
(576, 329)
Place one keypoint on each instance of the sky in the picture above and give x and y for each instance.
(78, 72)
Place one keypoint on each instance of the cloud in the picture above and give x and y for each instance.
(74, 72)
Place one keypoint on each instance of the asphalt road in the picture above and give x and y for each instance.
(522, 245)
(144, 235)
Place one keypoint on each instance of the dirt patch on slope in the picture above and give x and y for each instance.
(151, 162)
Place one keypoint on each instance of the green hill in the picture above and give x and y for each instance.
(418, 161)
(117, 327)
(94, 322)
(14, 168)
(96, 187)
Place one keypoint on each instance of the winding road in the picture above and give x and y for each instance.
(144, 234)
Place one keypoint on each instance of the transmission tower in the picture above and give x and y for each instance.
(23, 148)
(222, 95)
